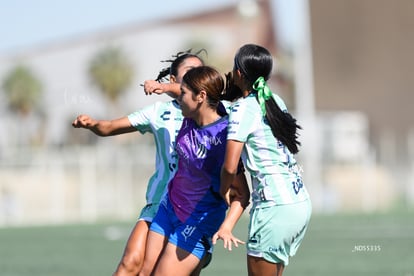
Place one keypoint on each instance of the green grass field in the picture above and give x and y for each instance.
(381, 244)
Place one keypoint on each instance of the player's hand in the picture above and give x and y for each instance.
(83, 121)
(152, 86)
(228, 239)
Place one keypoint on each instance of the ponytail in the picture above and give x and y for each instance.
(282, 123)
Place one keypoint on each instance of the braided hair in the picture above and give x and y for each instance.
(176, 60)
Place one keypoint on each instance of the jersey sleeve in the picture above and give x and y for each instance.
(141, 119)
(240, 121)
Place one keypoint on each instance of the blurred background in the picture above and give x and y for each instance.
(343, 68)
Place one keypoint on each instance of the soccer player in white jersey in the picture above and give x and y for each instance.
(162, 120)
(264, 134)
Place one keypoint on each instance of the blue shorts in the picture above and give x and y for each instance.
(193, 235)
(276, 232)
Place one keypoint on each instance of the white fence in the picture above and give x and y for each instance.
(108, 180)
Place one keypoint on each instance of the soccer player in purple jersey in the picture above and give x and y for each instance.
(193, 210)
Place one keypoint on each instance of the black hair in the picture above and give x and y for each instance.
(231, 91)
(175, 63)
(254, 61)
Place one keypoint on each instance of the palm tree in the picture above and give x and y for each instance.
(111, 72)
(23, 92)
(23, 89)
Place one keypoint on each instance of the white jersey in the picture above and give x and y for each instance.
(163, 120)
(275, 176)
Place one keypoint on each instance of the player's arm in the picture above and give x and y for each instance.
(239, 190)
(230, 167)
(239, 197)
(104, 127)
(171, 89)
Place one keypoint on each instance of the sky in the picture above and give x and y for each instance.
(27, 23)
(24, 24)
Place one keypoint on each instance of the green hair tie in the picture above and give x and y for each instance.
(263, 92)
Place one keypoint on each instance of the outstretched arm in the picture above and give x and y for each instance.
(171, 89)
(239, 199)
(104, 127)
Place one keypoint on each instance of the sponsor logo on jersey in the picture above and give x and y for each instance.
(166, 115)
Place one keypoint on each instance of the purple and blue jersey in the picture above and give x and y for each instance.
(194, 190)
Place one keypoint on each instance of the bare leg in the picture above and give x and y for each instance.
(155, 246)
(259, 266)
(175, 259)
(203, 262)
(133, 257)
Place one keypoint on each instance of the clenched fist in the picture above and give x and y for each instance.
(84, 121)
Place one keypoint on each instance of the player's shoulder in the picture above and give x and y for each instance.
(168, 105)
